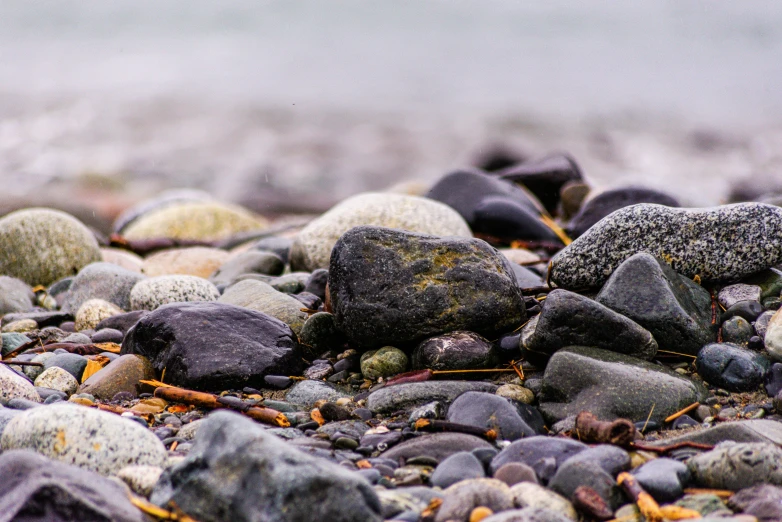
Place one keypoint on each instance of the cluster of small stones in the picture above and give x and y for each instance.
(384, 364)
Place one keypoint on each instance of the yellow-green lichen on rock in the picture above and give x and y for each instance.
(196, 221)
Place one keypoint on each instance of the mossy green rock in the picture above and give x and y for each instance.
(40, 246)
(390, 286)
(197, 221)
(257, 295)
(385, 362)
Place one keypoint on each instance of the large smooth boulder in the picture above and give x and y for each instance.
(237, 471)
(40, 246)
(391, 287)
(214, 346)
(312, 247)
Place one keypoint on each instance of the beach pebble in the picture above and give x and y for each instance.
(737, 330)
(260, 296)
(773, 337)
(307, 393)
(214, 346)
(20, 326)
(720, 243)
(34, 371)
(570, 319)
(516, 393)
(122, 258)
(15, 295)
(529, 514)
(455, 351)
(195, 261)
(196, 221)
(532, 495)
(384, 362)
(764, 501)
(13, 385)
(574, 473)
(104, 281)
(731, 367)
(71, 362)
(250, 262)
(57, 491)
(94, 311)
(457, 467)
(737, 466)
(230, 448)
(611, 386)
(424, 286)
(545, 177)
(57, 379)
(312, 247)
(412, 394)
(737, 293)
(320, 333)
(436, 446)
(89, 438)
(488, 411)
(541, 453)
(663, 478)
(461, 498)
(119, 376)
(141, 479)
(674, 309)
(40, 246)
(154, 292)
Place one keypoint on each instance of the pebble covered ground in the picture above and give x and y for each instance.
(502, 346)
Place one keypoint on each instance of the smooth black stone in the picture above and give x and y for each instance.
(544, 177)
(320, 334)
(70, 362)
(45, 393)
(541, 453)
(332, 412)
(455, 351)
(485, 455)
(52, 398)
(277, 245)
(674, 309)
(347, 364)
(43, 319)
(214, 346)
(737, 330)
(755, 343)
(308, 426)
(121, 322)
(363, 413)
(570, 319)
(685, 421)
(573, 473)
(749, 310)
(424, 286)
(316, 284)
(647, 427)
(508, 346)
(603, 204)
(108, 335)
(467, 191)
(278, 381)
(664, 479)
(35, 488)
(489, 411)
(308, 300)
(773, 380)
(731, 367)
(526, 278)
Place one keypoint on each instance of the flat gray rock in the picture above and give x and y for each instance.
(717, 244)
(438, 446)
(737, 466)
(307, 393)
(402, 396)
(756, 430)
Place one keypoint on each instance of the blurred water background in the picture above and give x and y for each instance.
(301, 103)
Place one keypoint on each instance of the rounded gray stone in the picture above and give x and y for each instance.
(532, 495)
(385, 362)
(88, 438)
(408, 395)
(15, 295)
(719, 243)
(13, 385)
(307, 393)
(105, 281)
(152, 293)
(737, 466)
(40, 246)
(58, 379)
(260, 296)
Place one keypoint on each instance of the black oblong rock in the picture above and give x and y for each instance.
(674, 309)
(544, 177)
(719, 243)
(731, 367)
(214, 346)
(489, 411)
(455, 351)
(389, 286)
(570, 319)
(609, 201)
(478, 197)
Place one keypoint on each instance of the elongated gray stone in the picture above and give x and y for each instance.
(717, 244)
(401, 396)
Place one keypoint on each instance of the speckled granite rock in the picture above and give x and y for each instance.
(40, 246)
(393, 287)
(105, 281)
(570, 319)
(312, 247)
(94, 311)
(719, 243)
(737, 466)
(260, 296)
(89, 438)
(13, 385)
(58, 379)
(612, 385)
(154, 292)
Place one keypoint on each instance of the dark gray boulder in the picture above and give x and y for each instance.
(731, 367)
(236, 471)
(391, 287)
(674, 309)
(611, 385)
(570, 319)
(214, 346)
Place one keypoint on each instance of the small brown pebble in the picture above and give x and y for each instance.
(480, 513)
(515, 472)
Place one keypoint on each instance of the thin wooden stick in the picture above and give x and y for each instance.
(646, 504)
(677, 353)
(22, 363)
(681, 412)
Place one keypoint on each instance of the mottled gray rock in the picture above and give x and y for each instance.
(40, 246)
(731, 367)
(57, 379)
(312, 247)
(214, 346)
(720, 243)
(401, 396)
(773, 338)
(736, 293)
(15, 295)
(574, 473)
(34, 371)
(529, 514)
(236, 471)
(105, 281)
(461, 498)
(763, 501)
(260, 296)
(543, 454)
(438, 446)
(394, 287)
(155, 292)
(89, 438)
(531, 495)
(141, 479)
(570, 319)
(6, 414)
(44, 489)
(11, 341)
(737, 466)
(754, 430)
(307, 393)
(164, 199)
(455, 351)
(674, 309)
(385, 362)
(409, 500)
(94, 311)
(612, 386)
(13, 385)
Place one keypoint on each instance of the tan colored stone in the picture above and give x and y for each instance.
(195, 261)
(124, 258)
(121, 375)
